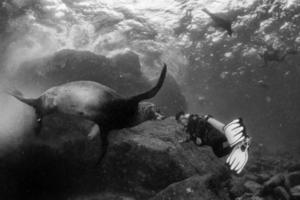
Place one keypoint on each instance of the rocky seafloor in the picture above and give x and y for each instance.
(143, 162)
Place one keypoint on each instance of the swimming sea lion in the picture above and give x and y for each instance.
(219, 21)
(95, 102)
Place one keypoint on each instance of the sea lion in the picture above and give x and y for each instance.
(95, 102)
(219, 21)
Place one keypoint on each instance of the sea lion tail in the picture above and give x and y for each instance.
(152, 92)
(18, 95)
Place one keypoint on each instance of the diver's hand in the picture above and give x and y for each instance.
(235, 132)
(239, 156)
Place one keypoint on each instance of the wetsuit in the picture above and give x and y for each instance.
(198, 127)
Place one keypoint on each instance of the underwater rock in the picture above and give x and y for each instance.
(248, 196)
(148, 158)
(296, 192)
(194, 188)
(252, 186)
(252, 177)
(293, 178)
(281, 193)
(121, 73)
(127, 62)
(71, 65)
(103, 196)
(140, 162)
(262, 177)
(294, 167)
(237, 188)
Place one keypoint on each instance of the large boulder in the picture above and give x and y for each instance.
(170, 93)
(148, 158)
(71, 65)
(140, 162)
(127, 62)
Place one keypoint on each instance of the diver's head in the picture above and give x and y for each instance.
(182, 118)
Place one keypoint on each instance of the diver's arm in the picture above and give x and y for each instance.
(215, 123)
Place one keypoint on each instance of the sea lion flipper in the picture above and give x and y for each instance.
(38, 127)
(104, 146)
(19, 96)
(152, 92)
(94, 132)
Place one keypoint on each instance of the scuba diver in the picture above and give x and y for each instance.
(219, 21)
(224, 139)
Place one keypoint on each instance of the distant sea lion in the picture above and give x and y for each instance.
(95, 102)
(219, 21)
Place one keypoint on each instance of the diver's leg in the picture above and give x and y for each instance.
(219, 149)
(217, 141)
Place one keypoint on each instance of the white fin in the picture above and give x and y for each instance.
(94, 132)
(238, 158)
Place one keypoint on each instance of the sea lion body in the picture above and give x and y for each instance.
(96, 102)
(219, 21)
(80, 98)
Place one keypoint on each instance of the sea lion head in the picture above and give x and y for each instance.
(182, 118)
(148, 111)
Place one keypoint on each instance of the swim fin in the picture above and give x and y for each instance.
(238, 157)
(235, 132)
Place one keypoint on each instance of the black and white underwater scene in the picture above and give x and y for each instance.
(149, 99)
